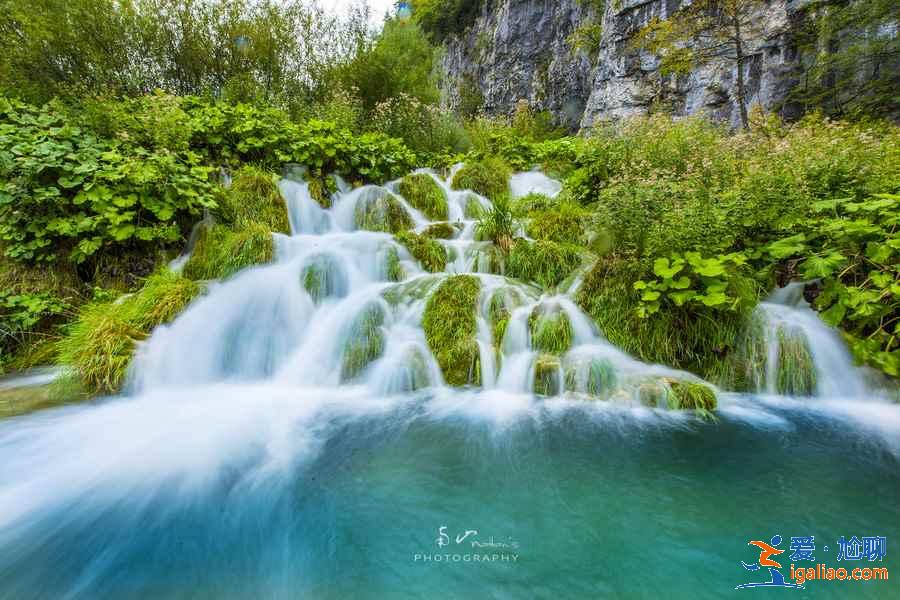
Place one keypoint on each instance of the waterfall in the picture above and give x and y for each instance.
(789, 350)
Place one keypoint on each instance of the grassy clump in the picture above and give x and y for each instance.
(543, 262)
(473, 208)
(254, 199)
(488, 177)
(503, 302)
(547, 375)
(221, 251)
(431, 254)
(321, 189)
(595, 377)
(366, 342)
(379, 210)
(394, 269)
(497, 224)
(424, 194)
(451, 329)
(551, 330)
(531, 202)
(98, 346)
(324, 278)
(687, 395)
(796, 372)
(564, 223)
(693, 341)
(442, 231)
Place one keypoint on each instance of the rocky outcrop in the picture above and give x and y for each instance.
(522, 50)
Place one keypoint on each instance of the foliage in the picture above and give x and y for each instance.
(68, 194)
(425, 195)
(548, 375)
(450, 328)
(430, 253)
(691, 395)
(497, 224)
(427, 129)
(441, 19)
(380, 210)
(220, 251)
(488, 177)
(442, 231)
(853, 246)
(324, 278)
(561, 222)
(366, 342)
(253, 198)
(551, 330)
(98, 346)
(543, 262)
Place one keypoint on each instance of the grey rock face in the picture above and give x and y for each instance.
(519, 50)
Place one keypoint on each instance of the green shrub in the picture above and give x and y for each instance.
(431, 254)
(220, 251)
(543, 262)
(254, 198)
(450, 329)
(489, 177)
(424, 194)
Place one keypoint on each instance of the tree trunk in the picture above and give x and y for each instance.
(741, 92)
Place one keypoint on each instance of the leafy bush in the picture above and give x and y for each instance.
(68, 194)
(450, 328)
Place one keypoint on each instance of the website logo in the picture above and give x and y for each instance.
(776, 579)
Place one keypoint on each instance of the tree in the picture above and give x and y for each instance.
(703, 31)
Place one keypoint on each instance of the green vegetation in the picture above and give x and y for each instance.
(687, 395)
(489, 177)
(543, 262)
(98, 346)
(379, 210)
(424, 194)
(450, 329)
(324, 278)
(497, 224)
(254, 198)
(366, 342)
(597, 378)
(442, 231)
(547, 375)
(221, 251)
(551, 331)
(430, 253)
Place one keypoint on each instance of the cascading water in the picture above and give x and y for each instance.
(290, 435)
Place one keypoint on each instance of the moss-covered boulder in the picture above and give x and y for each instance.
(593, 376)
(564, 223)
(503, 302)
(366, 342)
(324, 277)
(543, 262)
(443, 231)
(393, 269)
(431, 254)
(548, 375)
(424, 194)
(254, 199)
(98, 346)
(450, 325)
(473, 207)
(221, 251)
(795, 371)
(654, 394)
(489, 177)
(321, 189)
(689, 395)
(551, 330)
(380, 210)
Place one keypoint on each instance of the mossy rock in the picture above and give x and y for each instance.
(500, 308)
(366, 343)
(324, 277)
(443, 231)
(796, 371)
(489, 258)
(688, 395)
(551, 330)
(380, 210)
(321, 189)
(547, 375)
(489, 177)
(221, 251)
(425, 195)
(543, 262)
(23, 400)
(254, 199)
(393, 268)
(654, 394)
(593, 376)
(472, 207)
(450, 324)
(412, 290)
(431, 254)
(98, 346)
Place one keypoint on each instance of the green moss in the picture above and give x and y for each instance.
(98, 346)
(686, 395)
(254, 199)
(547, 375)
(24, 400)
(431, 254)
(324, 278)
(425, 195)
(320, 189)
(654, 394)
(450, 329)
(489, 258)
(543, 262)
(503, 302)
(473, 209)
(407, 291)
(394, 269)
(563, 223)
(366, 342)
(796, 372)
(596, 377)
(489, 177)
(528, 203)
(442, 231)
(221, 251)
(379, 210)
(551, 331)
